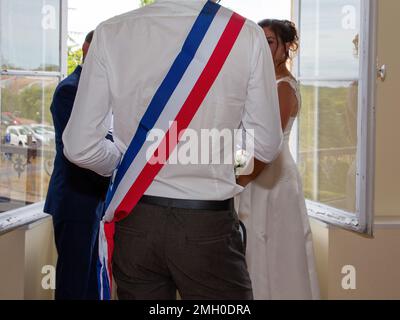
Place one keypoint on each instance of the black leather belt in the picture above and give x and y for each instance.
(188, 204)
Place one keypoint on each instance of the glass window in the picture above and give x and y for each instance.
(27, 154)
(30, 35)
(334, 68)
(329, 33)
(328, 142)
(30, 46)
(329, 38)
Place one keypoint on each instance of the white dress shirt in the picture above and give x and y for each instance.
(127, 61)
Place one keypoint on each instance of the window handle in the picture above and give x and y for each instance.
(382, 72)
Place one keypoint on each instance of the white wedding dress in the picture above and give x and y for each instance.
(279, 253)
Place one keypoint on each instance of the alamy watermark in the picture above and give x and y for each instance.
(349, 20)
(349, 281)
(49, 17)
(49, 277)
(204, 147)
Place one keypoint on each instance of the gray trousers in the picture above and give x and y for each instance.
(160, 250)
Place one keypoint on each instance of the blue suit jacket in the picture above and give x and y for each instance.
(74, 193)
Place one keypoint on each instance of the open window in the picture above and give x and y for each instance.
(33, 60)
(334, 138)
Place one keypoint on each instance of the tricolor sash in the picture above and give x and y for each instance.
(177, 101)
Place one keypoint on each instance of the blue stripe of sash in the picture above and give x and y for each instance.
(102, 278)
(165, 91)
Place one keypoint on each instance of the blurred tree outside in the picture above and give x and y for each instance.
(74, 58)
(145, 2)
(336, 109)
(75, 55)
(32, 102)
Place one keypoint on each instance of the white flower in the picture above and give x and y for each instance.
(241, 159)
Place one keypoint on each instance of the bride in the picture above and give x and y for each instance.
(279, 242)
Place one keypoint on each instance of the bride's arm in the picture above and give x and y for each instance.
(258, 168)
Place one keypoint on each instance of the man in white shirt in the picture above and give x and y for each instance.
(184, 233)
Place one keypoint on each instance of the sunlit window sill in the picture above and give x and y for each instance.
(381, 223)
(27, 217)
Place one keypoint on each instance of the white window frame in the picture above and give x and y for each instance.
(363, 219)
(29, 214)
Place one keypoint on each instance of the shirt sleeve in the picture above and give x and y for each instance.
(84, 138)
(261, 117)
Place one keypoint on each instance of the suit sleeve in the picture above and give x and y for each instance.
(84, 137)
(62, 106)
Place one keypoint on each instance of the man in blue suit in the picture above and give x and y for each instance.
(75, 198)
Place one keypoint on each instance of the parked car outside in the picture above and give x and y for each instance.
(18, 136)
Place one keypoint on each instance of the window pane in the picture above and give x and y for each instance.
(27, 140)
(30, 34)
(329, 33)
(328, 142)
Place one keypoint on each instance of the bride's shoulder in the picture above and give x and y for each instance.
(289, 91)
(289, 82)
(288, 79)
